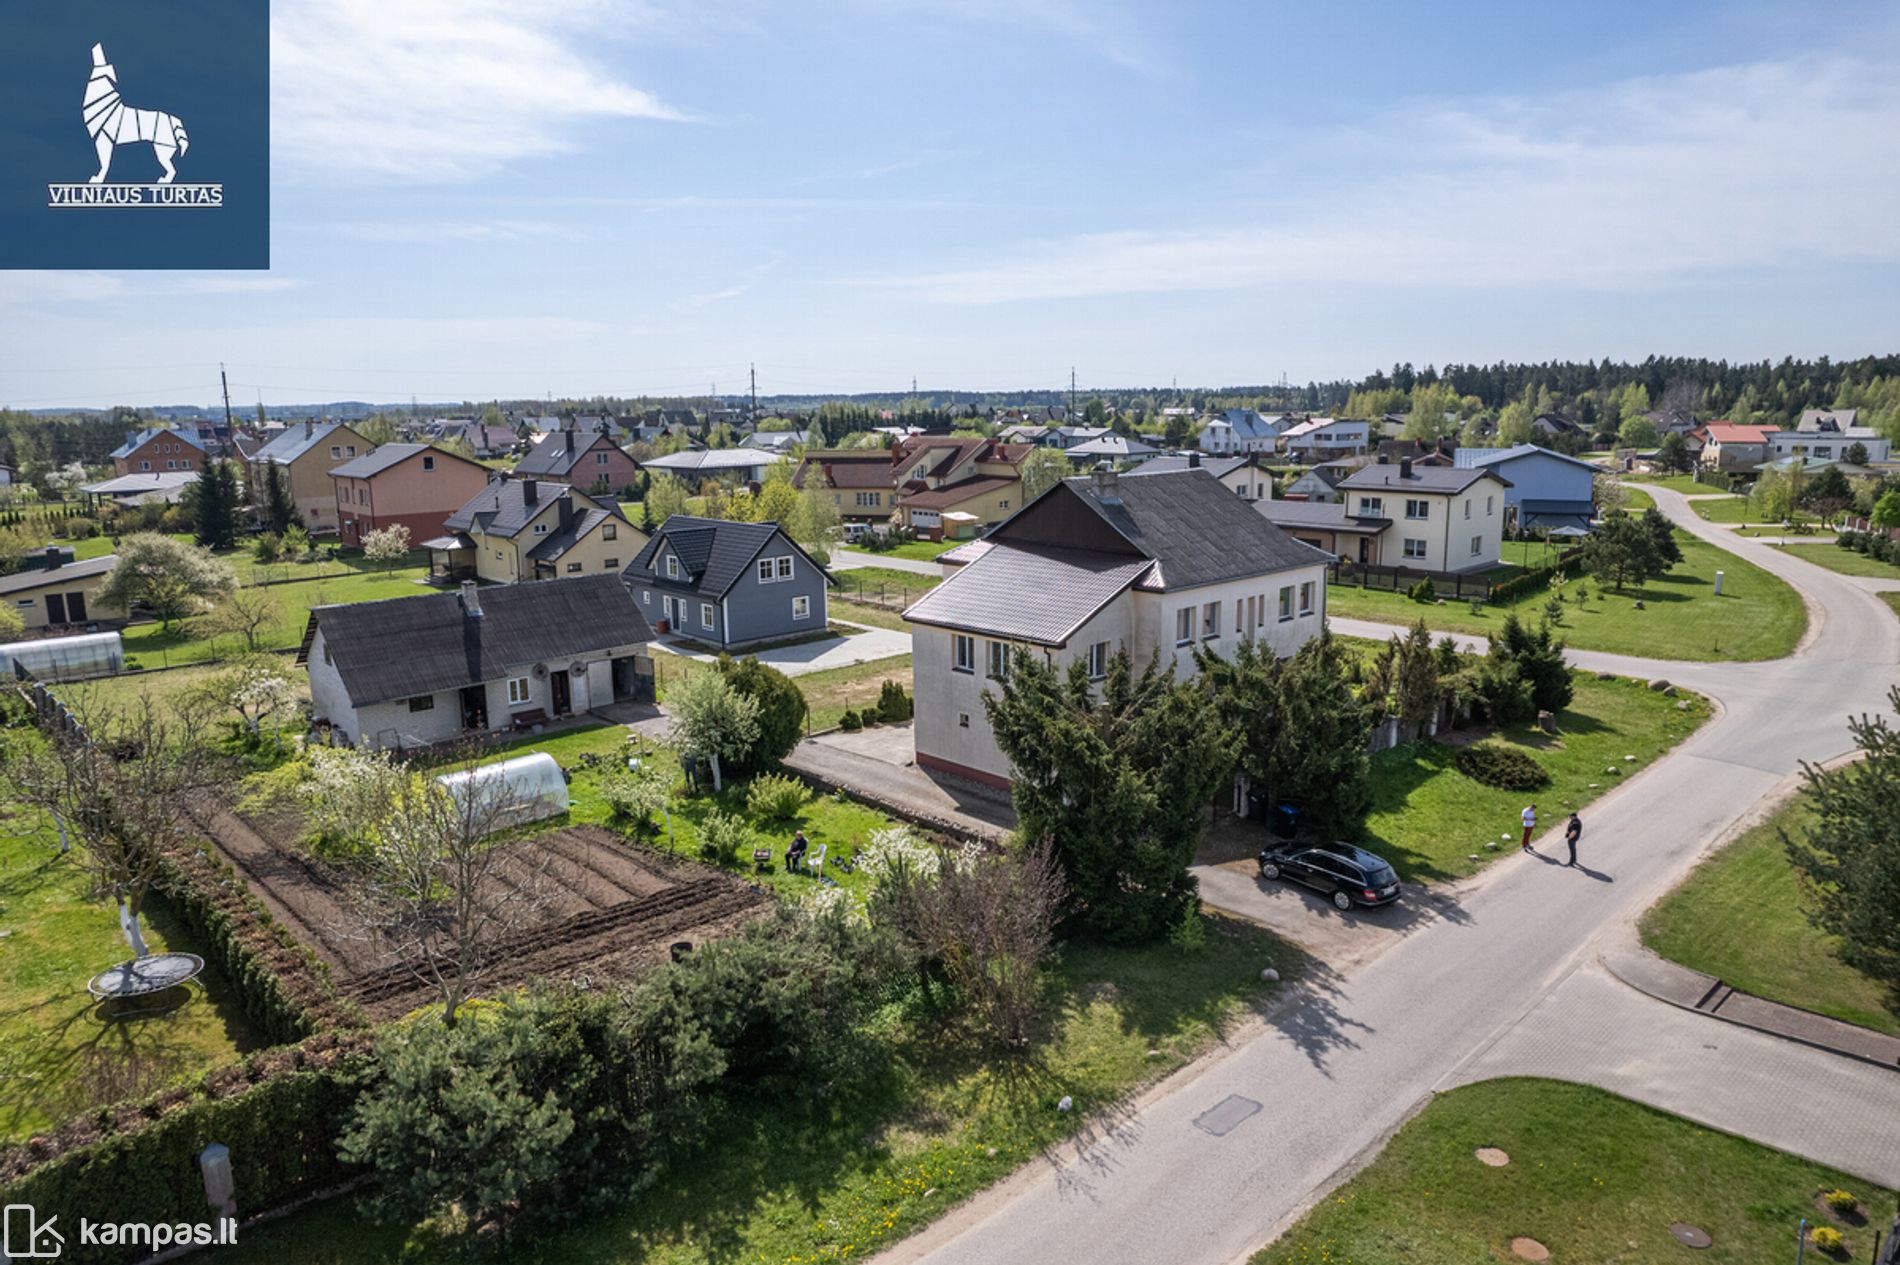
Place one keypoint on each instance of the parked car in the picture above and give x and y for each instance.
(1349, 875)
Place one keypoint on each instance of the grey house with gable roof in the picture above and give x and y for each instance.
(730, 585)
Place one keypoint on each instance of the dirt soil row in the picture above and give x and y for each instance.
(610, 908)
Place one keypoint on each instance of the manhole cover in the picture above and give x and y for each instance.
(1223, 1116)
(1690, 1235)
(1529, 1250)
(1492, 1156)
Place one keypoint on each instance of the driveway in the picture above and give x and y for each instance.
(1344, 1056)
(866, 646)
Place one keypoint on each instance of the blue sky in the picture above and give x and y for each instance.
(478, 198)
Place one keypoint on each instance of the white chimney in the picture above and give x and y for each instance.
(471, 600)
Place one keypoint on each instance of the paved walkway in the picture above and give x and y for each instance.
(847, 559)
(1492, 987)
(867, 646)
(906, 791)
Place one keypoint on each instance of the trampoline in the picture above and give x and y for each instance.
(146, 976)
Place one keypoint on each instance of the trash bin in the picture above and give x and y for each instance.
(1286, 820)
(1257, 806)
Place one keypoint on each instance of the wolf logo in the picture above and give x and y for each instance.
(111, 122)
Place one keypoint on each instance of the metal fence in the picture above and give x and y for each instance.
(1370, 575)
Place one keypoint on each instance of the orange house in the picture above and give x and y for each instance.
(155, 450)
(411, 485)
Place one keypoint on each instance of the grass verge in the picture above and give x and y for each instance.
(1843, 561)
(1738, 917)
(149, 646)
(1757, 615)
(1428, 818)
(838, 1176)
(1592, 1177)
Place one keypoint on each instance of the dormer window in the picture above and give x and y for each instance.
(672, 567)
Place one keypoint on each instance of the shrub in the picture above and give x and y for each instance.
(1842, 1200)
(724, 837)
(1826, 1238)
(1422, 592)
(776, 797)
(850, 721)
(893, 704)
(1506, 768)
(781, 712)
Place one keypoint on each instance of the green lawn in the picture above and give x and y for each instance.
(842, 607)
(121, 694)
(1892, 600)
(1596, 1179)
(1757, 617)
(1683, 483)
(827, 693)
(927, 1123)
(892, 582)
(59, 1054)
(1738, 917)
(1845, 561)
(1428, 818)
(915, 550)
(1721, 509)
(146, 646)
(1635, 500)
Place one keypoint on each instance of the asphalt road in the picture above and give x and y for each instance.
(1345, 1059)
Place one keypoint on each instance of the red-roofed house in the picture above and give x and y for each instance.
(862, 490)
(1735, 448)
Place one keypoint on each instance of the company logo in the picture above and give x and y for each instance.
(112, 123)
(27, 1238)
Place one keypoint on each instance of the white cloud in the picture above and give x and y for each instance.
(443, 231)
(1103, 29)
(35, 289)
(430, 90)
(1778, 164)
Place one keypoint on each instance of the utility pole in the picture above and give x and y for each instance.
(754, 370)
(226, 384)
(1071, 395)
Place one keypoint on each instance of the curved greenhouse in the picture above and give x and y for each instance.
(65, 658)
(526, 788)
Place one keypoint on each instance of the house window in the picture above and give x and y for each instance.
(1098, 661)
(1414, 548)
(801, 608)
(350, 448)
(963, 720)
(573, 568)
(611, 564)
(785, 567)
(1823, 450)
(998, 662)
(1184, 626)
(1477, 545)
(145, 465)
(962, 653)
(1371, 506)
(765, 570)
(600, 458)
(335, 450)
(1210, 621)
(646, 597)
(1490, 506)
(672, 567)
(1467, 507)
(519, 691)
(428, 463)
(422, 703)
(1306, 597)
(610, 531)
(171, 465)
(870, 499)
(1002, 505)
(1286, 602)
(705, 614)
(1418, 509)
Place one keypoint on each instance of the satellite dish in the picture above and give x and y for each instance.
(577, 669)
(540, 670)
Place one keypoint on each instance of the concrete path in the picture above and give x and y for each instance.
(867, 646)
(847, 559)
(905, 791)
(1488, 988)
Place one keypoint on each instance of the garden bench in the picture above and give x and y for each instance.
(528, 719)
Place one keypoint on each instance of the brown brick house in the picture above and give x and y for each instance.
(409, 485)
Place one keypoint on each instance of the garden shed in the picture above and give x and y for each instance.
(526, 788)
(65, 658)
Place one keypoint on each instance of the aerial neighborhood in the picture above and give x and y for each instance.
(678, 739)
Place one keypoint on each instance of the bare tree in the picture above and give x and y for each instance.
(246, 613)
(450, 878)
(119, 782)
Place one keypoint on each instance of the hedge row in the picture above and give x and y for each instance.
(280, 1113)
(1876, 545)
(1535, 580)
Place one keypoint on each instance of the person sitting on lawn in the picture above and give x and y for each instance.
(795, 855)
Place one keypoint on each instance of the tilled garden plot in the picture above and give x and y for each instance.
(609, 907)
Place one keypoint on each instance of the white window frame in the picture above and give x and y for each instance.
(706, 614)
(1184, 626)
(573, 568)
(1372, 507)
(1098, 661)
(1477, 546)
(428, 463)
(610, 564)
(540, 529)
(784, 563)
(996, 659)
(1467, 508)
(520, 691)
(962, 653)
(1490, 506)
(672, 566)
(1423, 549)
(1306, 596)
(1417, 507)
(610, 531)
(765, 570)
(801, 607)
(1286, 602)
(1210, 621)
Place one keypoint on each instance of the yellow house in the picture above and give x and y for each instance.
(532, 529)
(303, 456)
(859, 480)
(951, 486)
(59, 593)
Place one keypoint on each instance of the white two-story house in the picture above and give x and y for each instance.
(1163, 563)
(1443, 518)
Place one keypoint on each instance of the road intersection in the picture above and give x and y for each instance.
(1505, 981)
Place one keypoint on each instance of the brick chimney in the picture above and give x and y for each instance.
(1107, 486)
(471, 600)
(530, 492)
(566, 511)
(1194, 461)
(1405, 467)
(570, 440)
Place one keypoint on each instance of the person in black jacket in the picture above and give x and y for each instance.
(795, 855)
(1572, 833)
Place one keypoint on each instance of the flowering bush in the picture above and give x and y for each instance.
(1826, 1238)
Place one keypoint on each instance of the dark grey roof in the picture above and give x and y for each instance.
(1325, 515)
(559, 542)
(1029, 592)
(1440, 479)
(404, 646)
(714, 552)
(293, 442)
(1219, 467)
(26, 581)
(381, 459)
(502, 508)
(1194, 527)
(552, 455)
